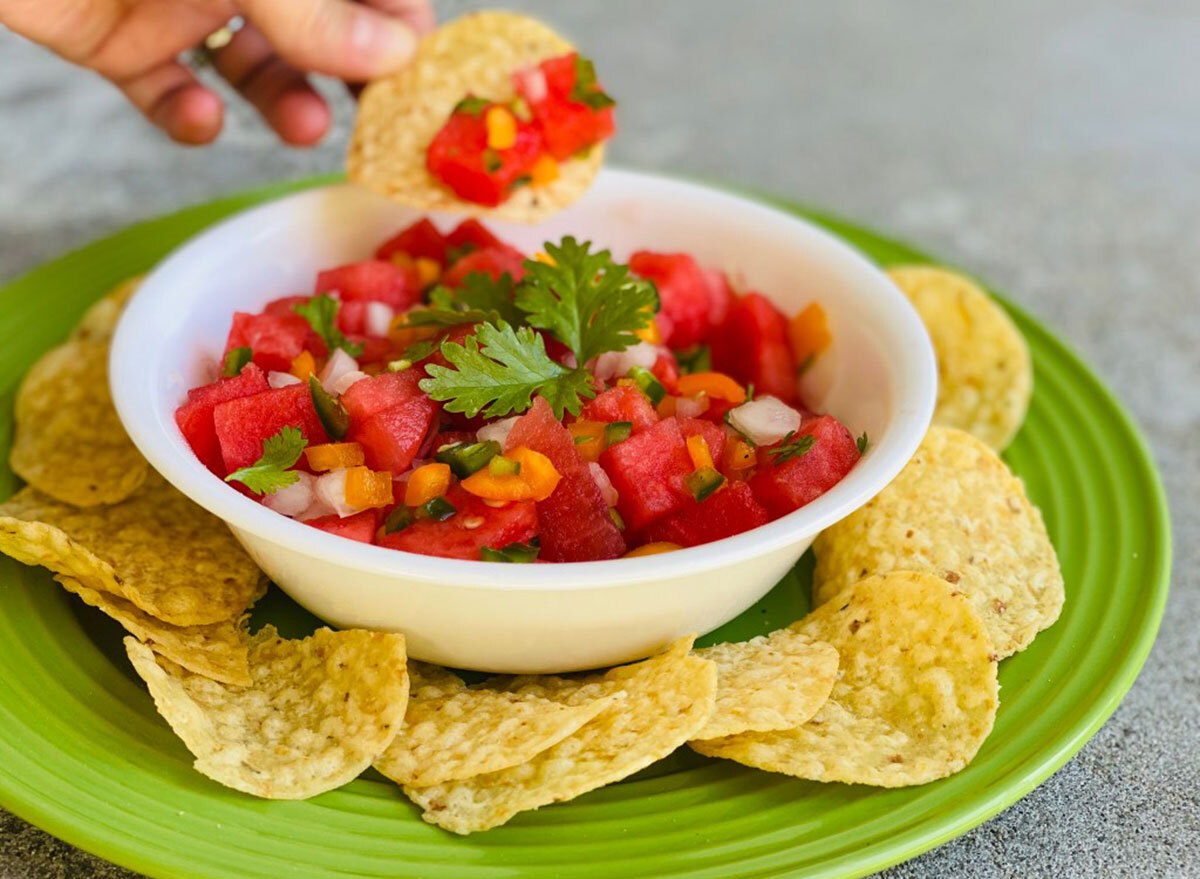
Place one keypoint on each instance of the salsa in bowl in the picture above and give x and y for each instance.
(664, 430)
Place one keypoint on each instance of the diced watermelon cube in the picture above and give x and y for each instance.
(729, 511)
(470, 235)
(720, 296)
(567, 125)
(390, 417)
(621, 403)
(352, 316)
(372, 280)
(243, 423)
(373, 395)
(574, 521)
(800, 480)
(648, 471)
(421, 239)
(360, 526)
(195, 417)
(491, 261)
(275, 339)
(455, 538)
(684, 291)
(460, 157)
(752, 346)
(285, 306)
(713, 435)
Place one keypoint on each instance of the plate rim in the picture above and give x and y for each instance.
(22, 800)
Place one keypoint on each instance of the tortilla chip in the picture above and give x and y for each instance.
(958, 512)
(317, 713)
(666, 700)
(453, 732)
(165, 554)
(985, 373)
(775, 681)
(69, 442)
(915, 697)
(100, 321)
(399, 116)
(216, 651)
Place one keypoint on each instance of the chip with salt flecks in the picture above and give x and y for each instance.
(985, 373)
(775, 681)
(916, 693)
(315, 715)
(170, 557)
(957, 511)
(69, 442)
(100, 321)
(666, 700)
(452, 731)
(217, 650)
(399, 115)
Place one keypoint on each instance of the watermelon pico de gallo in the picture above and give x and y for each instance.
(453, 397)
(486, 149)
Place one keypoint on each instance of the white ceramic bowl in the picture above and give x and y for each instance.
(878, 376)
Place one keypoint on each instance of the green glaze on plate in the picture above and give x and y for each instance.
(83, 754)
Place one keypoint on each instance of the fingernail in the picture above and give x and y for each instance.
(389, 44)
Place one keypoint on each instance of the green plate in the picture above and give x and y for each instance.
(83, 754)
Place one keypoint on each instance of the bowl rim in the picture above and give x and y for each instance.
(912, 412)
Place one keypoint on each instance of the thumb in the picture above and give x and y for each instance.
(336, 37)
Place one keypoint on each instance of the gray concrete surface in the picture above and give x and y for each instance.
(1054, 148)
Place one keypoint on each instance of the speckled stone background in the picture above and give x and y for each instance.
(1051, 147)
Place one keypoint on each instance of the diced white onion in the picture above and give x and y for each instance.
(604, 484)
(497, 430)
(692, 407)
(338, 365)
(281, 379)
(765, 420)
(379, 318)
(533, 84)
(342, 383)
(331, 490)
(294, 499)
(615, 363)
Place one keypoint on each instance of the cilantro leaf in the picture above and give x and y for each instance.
(235, 361)
(499, 370)
(271, 472)
(480, 298)
(589, 302)
(321, 314)
(471, 105)
(862, 442)
(790, 448)
(587, 90)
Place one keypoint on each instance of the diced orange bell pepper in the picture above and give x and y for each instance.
(501, 127)
(303, 366)
(739, 455)
(697, 447)
(544, 170)
(428, 270)
(536, 480)
(650, 333)
(403, 335)
(715, 384)
(368, 488)
(334, 456)
(809, 334)
(667, 406)
(589, 438)
(660, 546)
(425, 483)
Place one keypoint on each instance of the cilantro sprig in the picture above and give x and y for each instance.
(272, 471)
(321, 313)
(791, 447)
(589, 302)
(499, 370)
(584, 299)
(587, 90)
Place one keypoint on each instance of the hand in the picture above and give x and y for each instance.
(135, 44)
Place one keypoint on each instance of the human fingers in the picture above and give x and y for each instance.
(171, 97)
